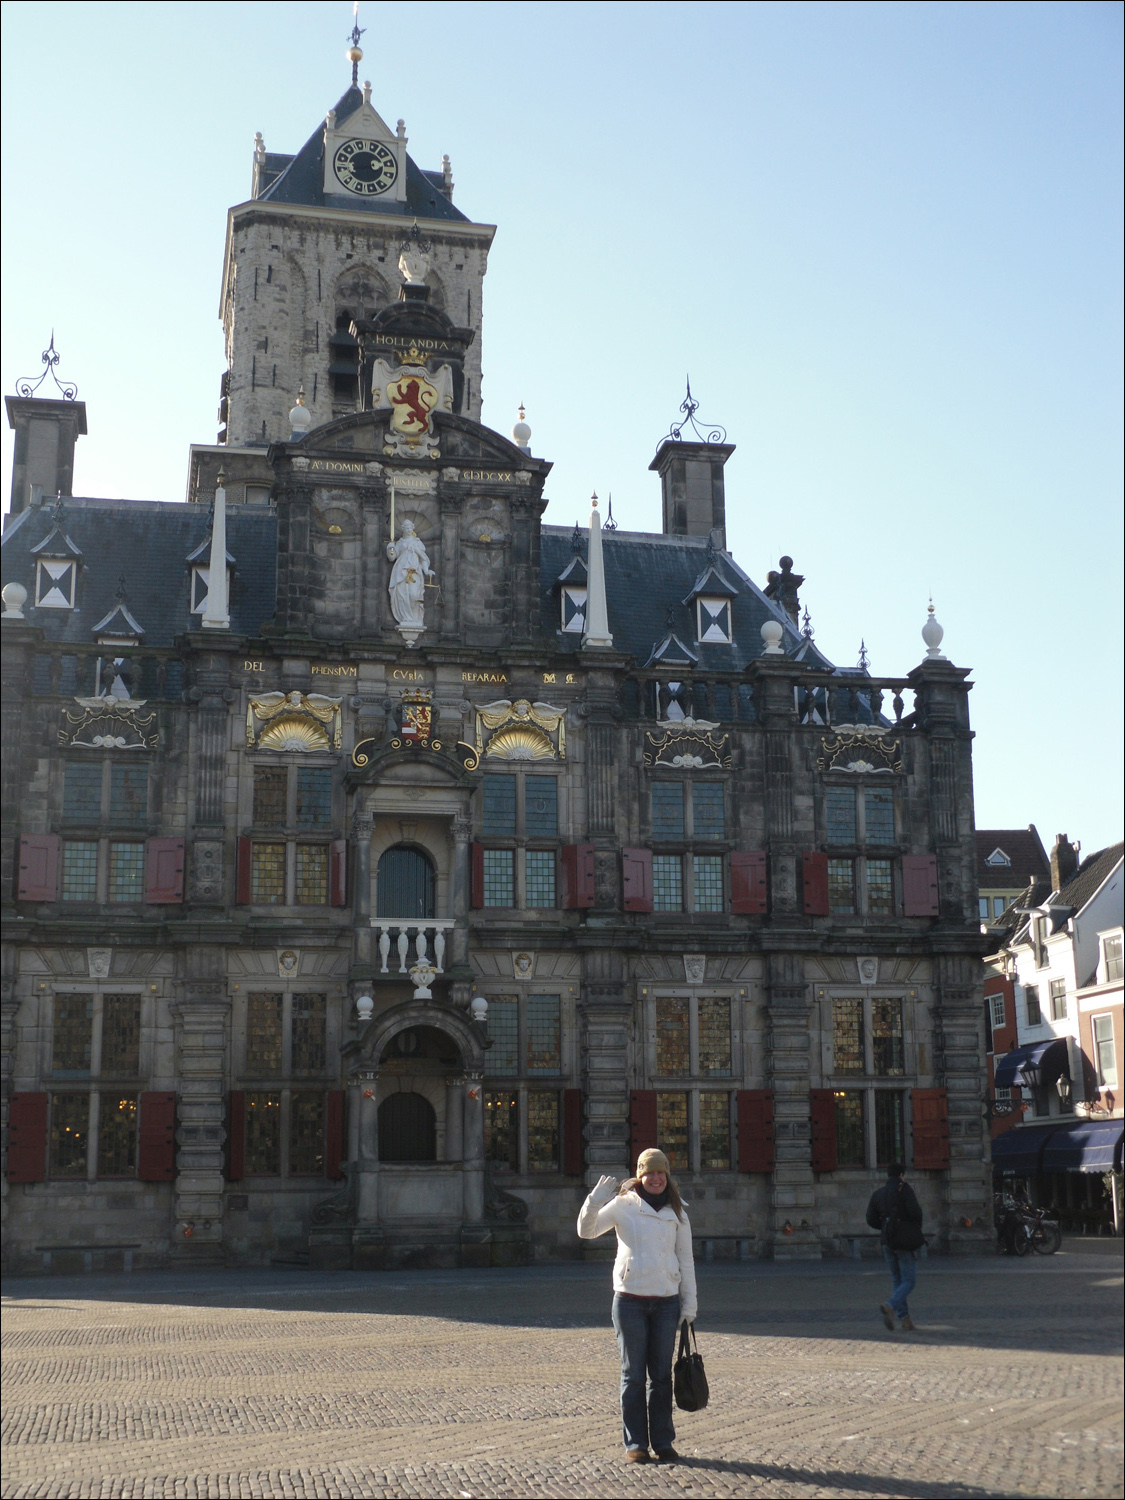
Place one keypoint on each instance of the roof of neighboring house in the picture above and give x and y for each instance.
(1086, 880)
(1026, 857)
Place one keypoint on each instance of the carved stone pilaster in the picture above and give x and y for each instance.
(788, 1056)
(605, 1012)
(201, 1012)
(9, 1008)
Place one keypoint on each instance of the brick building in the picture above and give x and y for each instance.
(382, 865)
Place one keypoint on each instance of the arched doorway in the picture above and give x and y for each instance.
(407, 1129)
(405, 884)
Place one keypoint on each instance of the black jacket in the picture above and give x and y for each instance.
(894, 1197)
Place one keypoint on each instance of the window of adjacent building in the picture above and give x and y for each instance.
(850, 1128)
(1040, 931)
(1058, 999)
(1031, 997)
(998, 858)
(1112, 957)
(117, 1135)
(678, 1054)
(55, 580)
(538, 1021)
(1000, 905)
(890, 1127)
(263, 1134)
(69, 1135)
(1105, 1055)
(983, 908)
(714, 1132)
(672, 1129)
(999, 1015)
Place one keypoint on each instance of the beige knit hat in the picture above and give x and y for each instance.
(652, 1160)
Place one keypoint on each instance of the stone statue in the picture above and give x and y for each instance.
(407, 586)
(414, 266)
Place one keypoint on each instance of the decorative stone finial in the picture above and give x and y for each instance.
(300, 418)
(521, 433)
(478, 1008)
(367, 92)
(364, 1007)
(259, 147)
(594, 500)
(772, 633)
(932, 634)
(14, 596)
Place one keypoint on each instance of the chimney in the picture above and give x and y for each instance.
(46, 432)
(1064, 861)
(692, 488)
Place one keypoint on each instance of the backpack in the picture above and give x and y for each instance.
(902, 1235)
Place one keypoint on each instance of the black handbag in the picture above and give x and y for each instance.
(689, 1379)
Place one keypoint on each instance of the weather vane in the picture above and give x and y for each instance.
(355, 51)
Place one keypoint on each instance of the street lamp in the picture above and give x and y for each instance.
(1031, 1075)
(1063, 1086)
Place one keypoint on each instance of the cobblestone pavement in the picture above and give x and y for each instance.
(503, 1383)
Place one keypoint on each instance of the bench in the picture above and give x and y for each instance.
(87, 1253)
(707, 1243)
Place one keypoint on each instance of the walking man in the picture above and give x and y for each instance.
(897, 1214)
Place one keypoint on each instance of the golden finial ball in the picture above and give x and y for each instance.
(354, 54)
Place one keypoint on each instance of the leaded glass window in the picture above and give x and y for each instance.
(126, 872)
(263, 1134)
(714, 1132)
(672, 1129)
(263, 1034)
(708, 873)
(886, 1038)
(667, 809)
(82, 792)
(314, 797)
(879, 815)
(70, 1132)
(539, 877)
(309, 1031)
(117, 1135)
(544, 1034)
(847, 1036)
(499, 805)
(667, 882)
(839, 806)
(73, 1034)
(80, 870)
(841, 885)
(499, 877)
(708, 821)
(312, 874)
(306, 1133)
(880, 888)
(121, 1036)
(128, 794)
(890, 1129)
(503, 1056)
(542, 1131)
(267, 874)
(672, 1037)
(850, 1149)
(501, 1129)
(540, 806)
(270, 795)
(714, 1036)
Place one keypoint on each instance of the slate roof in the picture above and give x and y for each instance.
(1024, 848)
(302, 179)
(1083, 884)
(149, 542)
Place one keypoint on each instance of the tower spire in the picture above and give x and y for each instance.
(354, 53)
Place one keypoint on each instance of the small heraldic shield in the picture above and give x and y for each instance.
(412, 399)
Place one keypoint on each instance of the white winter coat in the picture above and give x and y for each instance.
(654, 1256)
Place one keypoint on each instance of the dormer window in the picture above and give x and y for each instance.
(713, 623)
(54, 583)
(573, 601)
(998, 859)
(199, 563)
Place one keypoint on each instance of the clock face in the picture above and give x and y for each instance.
(366, 167)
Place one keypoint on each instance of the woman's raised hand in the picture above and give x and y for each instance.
(605, 1189)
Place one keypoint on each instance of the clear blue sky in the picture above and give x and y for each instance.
(885, 240)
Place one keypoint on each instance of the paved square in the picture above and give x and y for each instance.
(503, 1383)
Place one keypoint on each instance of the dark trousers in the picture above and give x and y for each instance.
(646, 1336)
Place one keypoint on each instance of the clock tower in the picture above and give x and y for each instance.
(364, 160)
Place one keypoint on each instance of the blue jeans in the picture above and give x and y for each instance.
(646, 1336)
(904, 1273)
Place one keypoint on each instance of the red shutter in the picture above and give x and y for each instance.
(822, 1104)
(335, 1143)
(164, 872)
(814, 878)
(572, 1132)
(245, 866)
(931, 1128)
(748, 883)
(476, 883)
(755, 1130)
(636, 877)
(39, 873)
(642, 1124)
(236, 1136)
(156, 1148)
(577, 875)
(919, 885)
(338, 881)
(27, 1138)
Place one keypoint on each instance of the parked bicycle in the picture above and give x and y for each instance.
(1020, 1228)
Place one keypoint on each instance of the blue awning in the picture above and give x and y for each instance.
(1078, 1146)
(1050, 1056)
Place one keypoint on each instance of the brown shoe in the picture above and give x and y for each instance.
(888, 1315)
(636, 1456)
(666, 1456)
(907, 1323)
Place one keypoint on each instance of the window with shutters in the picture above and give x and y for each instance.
(106, 798)
(80, 870)
(890, 1127)
(523, 808)
(126, 872)
(267, 874)
(841, 886)
(714, 1132)
(850, 1128)
(501, 1129)
(312, 874)
(667, 882)
(539, 878)
(672, 1128)
(861, 821)
(708, 882)
(306, 1133)
(295, 869)
(880, 887)
(525, 1121)
(263, 1134)
(95, 1036)
(542, 1130)
(499, 877)
(69, 1134)
(117, 1135)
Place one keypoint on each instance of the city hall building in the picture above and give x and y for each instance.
(382, 865)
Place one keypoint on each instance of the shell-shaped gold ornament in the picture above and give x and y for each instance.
(521, 742)
(291, 732)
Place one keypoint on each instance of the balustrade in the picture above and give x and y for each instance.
(396, 933)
